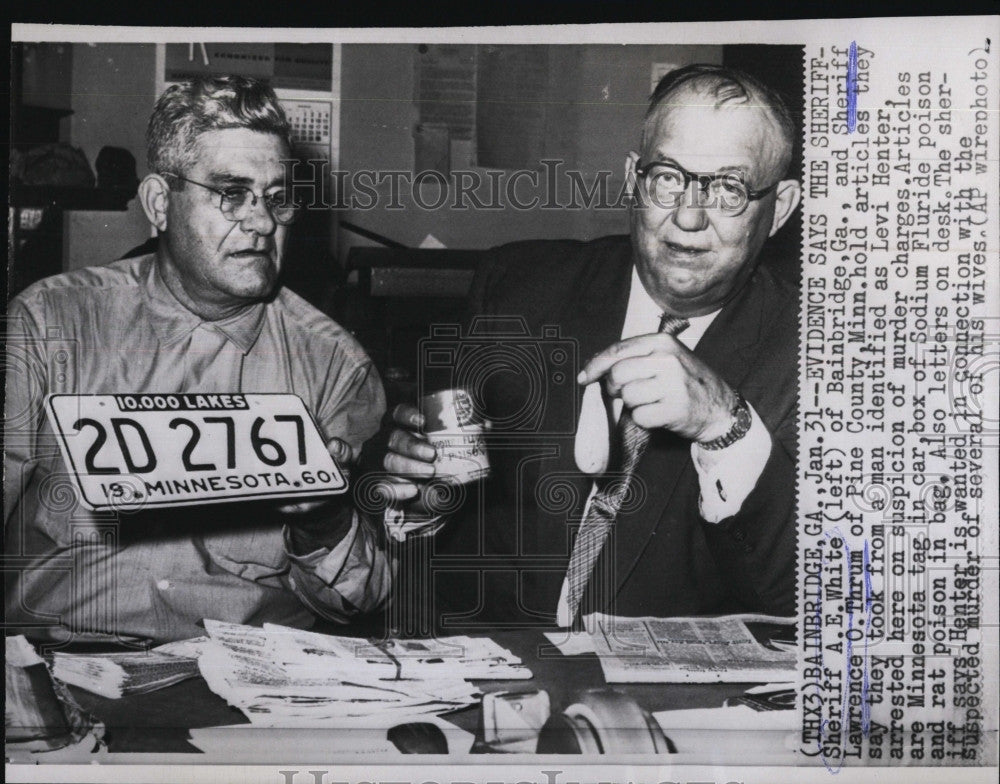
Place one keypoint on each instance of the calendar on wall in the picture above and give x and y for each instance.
(311, 124)
(306, 78)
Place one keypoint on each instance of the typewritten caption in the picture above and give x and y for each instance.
(895, 427)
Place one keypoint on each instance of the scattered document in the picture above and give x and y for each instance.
(693, 650)
(115, 675)
(280, 676)
(191, 648)
(41, 718)
(571, 643)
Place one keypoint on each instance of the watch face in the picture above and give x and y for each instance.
(741, 425)
(743, 419)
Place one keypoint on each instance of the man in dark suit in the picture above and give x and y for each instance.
(663, 481)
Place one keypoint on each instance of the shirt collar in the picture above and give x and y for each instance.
(172, 321)
(643, 316)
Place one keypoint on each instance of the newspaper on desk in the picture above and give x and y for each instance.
(281, 677)
(690, 650)
(899, 332)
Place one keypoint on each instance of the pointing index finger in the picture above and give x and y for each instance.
(601, 363)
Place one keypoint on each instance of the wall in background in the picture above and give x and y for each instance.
(113, 92)
(596, 99)
(47, 75)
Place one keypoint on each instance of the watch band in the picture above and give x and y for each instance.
(742, 420)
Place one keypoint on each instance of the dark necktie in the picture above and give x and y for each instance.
(607, 500)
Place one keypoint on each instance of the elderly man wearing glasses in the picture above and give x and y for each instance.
(203, 314)
(671, 489)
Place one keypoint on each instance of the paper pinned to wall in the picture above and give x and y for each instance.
(445, 88)
(430, 242)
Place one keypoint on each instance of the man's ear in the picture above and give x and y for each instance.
(154, 196)
(631, 161)
(789, 194)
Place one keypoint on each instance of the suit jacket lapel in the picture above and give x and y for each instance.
(728, 344)
(592, 319)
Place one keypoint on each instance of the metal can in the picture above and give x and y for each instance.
(454, 427)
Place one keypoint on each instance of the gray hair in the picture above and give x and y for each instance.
(725, 86)
(212, 103)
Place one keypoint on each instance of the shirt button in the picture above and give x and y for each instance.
(163, 585)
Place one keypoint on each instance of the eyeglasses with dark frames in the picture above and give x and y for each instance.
(237, 201)
(666, 184)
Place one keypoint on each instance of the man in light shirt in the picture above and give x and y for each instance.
(707, 524)
(205, 313)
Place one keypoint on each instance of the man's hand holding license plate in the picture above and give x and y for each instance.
(131, 452)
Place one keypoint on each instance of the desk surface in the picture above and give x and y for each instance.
(159, 722)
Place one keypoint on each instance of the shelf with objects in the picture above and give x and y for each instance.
(400, 293)
(49, 177)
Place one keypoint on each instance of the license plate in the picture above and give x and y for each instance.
(130, 452)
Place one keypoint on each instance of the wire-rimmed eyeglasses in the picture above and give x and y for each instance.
(667, 184)
(236, 201)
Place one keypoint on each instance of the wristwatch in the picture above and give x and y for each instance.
(741, 424)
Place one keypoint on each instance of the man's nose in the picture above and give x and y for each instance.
(259, 219)
(690, 214)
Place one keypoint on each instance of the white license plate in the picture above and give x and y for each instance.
(130, 452)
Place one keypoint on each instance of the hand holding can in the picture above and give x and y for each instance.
(455, 428)
(451, 425)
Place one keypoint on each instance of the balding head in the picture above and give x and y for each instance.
(719, 87)
(708, 124)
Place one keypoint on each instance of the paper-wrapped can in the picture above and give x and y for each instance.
(453, 426)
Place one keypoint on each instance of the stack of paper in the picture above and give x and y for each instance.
(279, 676)
(114, 675)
